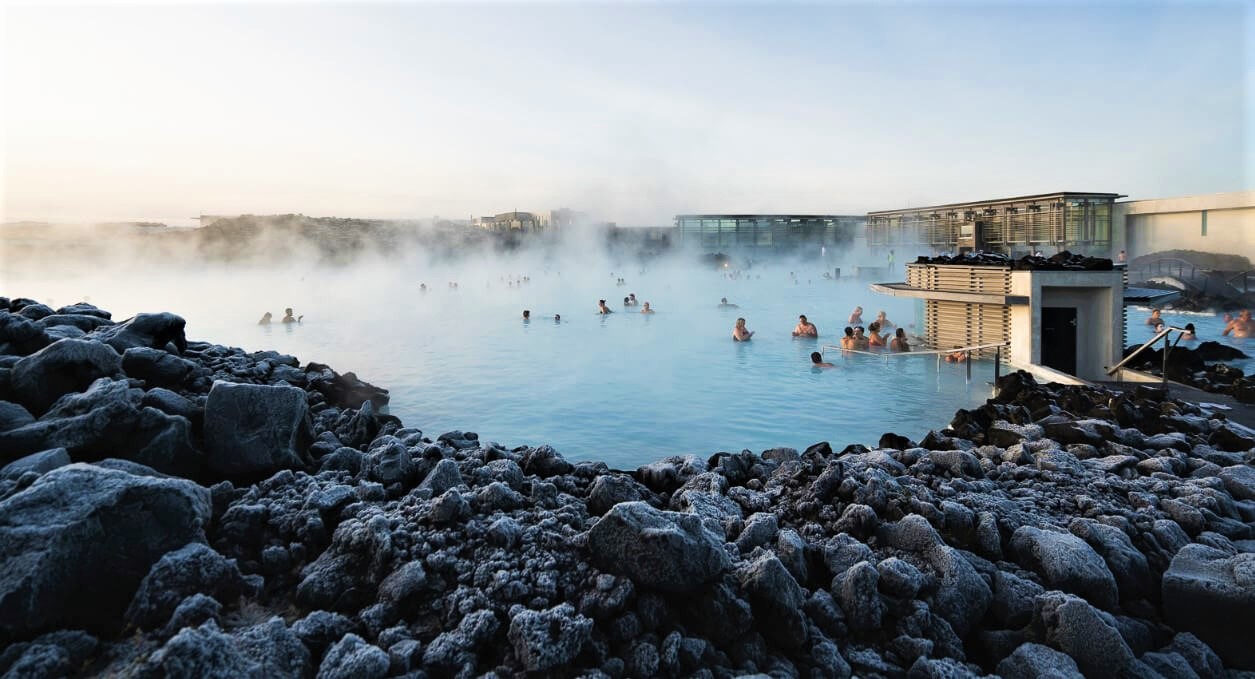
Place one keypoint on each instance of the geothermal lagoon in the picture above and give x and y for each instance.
(626, 389)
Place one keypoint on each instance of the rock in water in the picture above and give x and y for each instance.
(670, 551)
(254, 430)
(75, 544)
(1212, 594)
(63, 367)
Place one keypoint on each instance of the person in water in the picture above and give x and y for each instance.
(740, 333)
(627, 302)
(633, 298)
(557, 318)
(899, 343)
(856, 317)
(1189, 333)
(527, 315)
(875, 339)
(1241, 326)
(602, 308)
(422, 287)
(956, 356)
(1154, 318)
(646, 310)
(805, 328)
(817, 361)
(265, 319)
(884, 321)
(723, 304)
(287, 316)
(847, 340)
(860, 340)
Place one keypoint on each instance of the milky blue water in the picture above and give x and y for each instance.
(626, 388)
(1208, 326)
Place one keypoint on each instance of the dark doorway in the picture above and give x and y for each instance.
(1058, 338)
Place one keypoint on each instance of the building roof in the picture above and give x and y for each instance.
(1015, 199)
(761, 216)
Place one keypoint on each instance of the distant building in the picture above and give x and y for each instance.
(766, 233)
(565, 218)
(1218, 222)
(1050, 222)
(524, 222)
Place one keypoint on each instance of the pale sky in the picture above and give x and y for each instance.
(634, 112)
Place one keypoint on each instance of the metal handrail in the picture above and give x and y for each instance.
(1158, 336)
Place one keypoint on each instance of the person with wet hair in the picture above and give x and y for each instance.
(646, 310)
(287, 316)
(856, 316)
(740, 333)
(265, 319)
(817, 361)
(633, 298)
(900, 343)
(527, 315)
(627, 302)
(860, 340)
(602, 308)
(875, 339)
(1189, 333)
(847, 340)
(557, 318)
(805, 328)
(1154, 318)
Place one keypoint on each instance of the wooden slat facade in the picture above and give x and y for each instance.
(960, 324)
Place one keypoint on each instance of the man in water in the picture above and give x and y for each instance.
(646, 310)
(627, 302)
(265, 319)
(557, 318)
(1241, 326)
(847, 340)
(860, 340)
(602, 308)
(287, 316)
(884, 321)
(633, 298)
(740, 333)
(856, 317)
(1121, 257)
(1154, 318)
(723, 304)
(817, 361)
(805, 328)
(527, 315)
(899, 342)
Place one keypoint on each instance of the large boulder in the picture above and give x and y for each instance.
(253, 430)
(669, 551)
(195, 568)
(1034, 661)
(20, 335)
(1066, 562)
(777, 600)
(108, 420)
(544, 640)
(39, 463)
(1211, 593)
(144, 330)
(66, 366)
(75, 544)
(13, 416)
(158, 368)
(1085, 633)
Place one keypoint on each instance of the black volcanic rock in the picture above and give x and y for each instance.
(66, 366)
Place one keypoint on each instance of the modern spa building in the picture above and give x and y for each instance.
(1080, 222)
(767, 234)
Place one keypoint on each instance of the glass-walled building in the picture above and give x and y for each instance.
(1048, 222)
(764, 234)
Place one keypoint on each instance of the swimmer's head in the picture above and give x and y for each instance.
(849, 332)
(874, 326)
(626, 300)
(816, 357)
(527, 313)
(802, 318)
(1189, 328)
(900, 333)
(723, 300)
(601, 302)
(288, 311)
(557, 317)
(740, 322)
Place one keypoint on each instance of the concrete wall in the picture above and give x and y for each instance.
(1142, 227)
(1098, 299)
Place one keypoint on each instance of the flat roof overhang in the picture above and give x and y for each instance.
(1037, 197)
(904, 290)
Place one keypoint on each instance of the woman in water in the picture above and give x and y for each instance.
(602, 308)
(875, 339)
(740, 333)
(646, 310)
(856, 317)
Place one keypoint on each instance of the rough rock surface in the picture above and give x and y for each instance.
(1052, 530)
(254, 430)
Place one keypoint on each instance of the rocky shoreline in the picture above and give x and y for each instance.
(178, 508)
